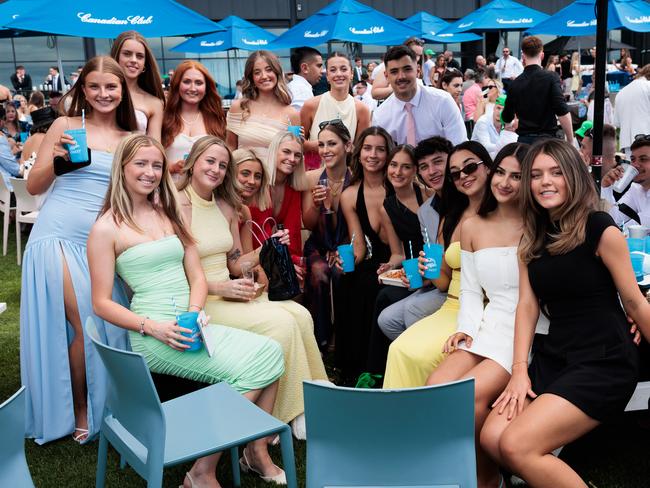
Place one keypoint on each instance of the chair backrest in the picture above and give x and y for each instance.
(414, 437)
(25, 202)
(13, 465)
(132, 399)
(5, 193)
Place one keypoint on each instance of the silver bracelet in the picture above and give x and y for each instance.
(142, 333)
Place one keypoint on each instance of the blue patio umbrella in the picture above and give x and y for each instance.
(429, 26)
(92, 18)
(579, 18)
(237, 34)
(348, 21)
(10, 10)
(498, 15)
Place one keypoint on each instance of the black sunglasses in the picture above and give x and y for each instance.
(489, 87)
(325, 123)
(642, 137)
(468, 169)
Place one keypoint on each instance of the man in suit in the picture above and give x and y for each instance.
(359, 71)
(21, 81)
(55, 81)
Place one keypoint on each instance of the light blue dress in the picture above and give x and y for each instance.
(62, 227)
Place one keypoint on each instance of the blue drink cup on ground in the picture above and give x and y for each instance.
(188, 320)
(412, 273)
(78, 151)
(346, 253)
(294, 129)
(635, 244)
(433, 255)
(637, 265)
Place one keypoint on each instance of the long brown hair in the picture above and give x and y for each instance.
(124, 116)
(249, 90)
(210, 106)
(228, 190)
(149, 80)
(119, 202)
(355, 167)
(581, 199)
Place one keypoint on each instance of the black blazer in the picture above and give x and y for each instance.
(24, 86)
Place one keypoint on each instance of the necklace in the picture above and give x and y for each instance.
(187, 122)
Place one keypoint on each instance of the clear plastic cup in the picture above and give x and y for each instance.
(78, 151)
(433, 255)
(412, 273)
(188, 320)
(624, 181)
(637, 231)
(346, 253)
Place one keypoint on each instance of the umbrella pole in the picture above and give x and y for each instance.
(59, 63)
(229, 74)
(599, 98)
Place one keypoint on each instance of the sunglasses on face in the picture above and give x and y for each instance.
(489, 87)
(325, 123)
(468, 169)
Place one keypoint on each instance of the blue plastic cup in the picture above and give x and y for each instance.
(78, 151)
(346, 253)
(294, 129)
(412, 273)
(23, 137)
(188, 320)
(433, 255)
(637, 265)
(635, 244)
(647, 245)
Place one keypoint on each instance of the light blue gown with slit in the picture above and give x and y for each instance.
(61, 232)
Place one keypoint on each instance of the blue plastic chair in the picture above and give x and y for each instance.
(13, 465)
(150, 435)
(419, 437)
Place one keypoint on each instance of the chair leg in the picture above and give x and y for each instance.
(155, 478)
(122, 462)
(5, 231)
(102, 453)
(288, 459)
(18, 243)
(234, 462)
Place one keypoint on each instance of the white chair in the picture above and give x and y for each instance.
(5, 208)
(26, 210)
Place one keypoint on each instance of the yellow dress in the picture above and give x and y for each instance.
(287, 322)
(418, 350)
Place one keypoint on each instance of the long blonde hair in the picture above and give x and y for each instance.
(568, 231)
(298, 179)
(228, 190)
(261, 199)
(119, 202)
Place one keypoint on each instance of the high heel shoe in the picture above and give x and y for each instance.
(81, 437)
(278, 479)
(189, 477)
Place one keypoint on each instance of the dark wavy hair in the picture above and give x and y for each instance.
(518, 151)
(355, 166)
(453, 203)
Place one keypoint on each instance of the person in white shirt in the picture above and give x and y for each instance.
(632, 109)
(638, 196)
(381, 88)
(428, 66)
(307, 67)
(361, 92)
(413, 112)
(490, 130)
(508, 68)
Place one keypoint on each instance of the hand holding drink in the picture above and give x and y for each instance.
(326, 195)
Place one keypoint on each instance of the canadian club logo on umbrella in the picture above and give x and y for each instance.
(131, 19)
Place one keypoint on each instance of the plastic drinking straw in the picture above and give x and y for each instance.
(352, 239)
(175, 308)
(426, 236)
(411, 249)
(83, 118)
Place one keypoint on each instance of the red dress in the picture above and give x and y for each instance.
(290, 216)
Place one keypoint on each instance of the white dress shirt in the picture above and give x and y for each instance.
(301, 91)
(426, 71)
(511, 67)
(491, 139)
(434, 111)
(632, 111)
(637, 199)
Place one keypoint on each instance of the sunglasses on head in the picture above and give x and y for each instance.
(468, 169)
(325, 123)
(642, 137)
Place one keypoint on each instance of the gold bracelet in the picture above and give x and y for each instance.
(197, 307)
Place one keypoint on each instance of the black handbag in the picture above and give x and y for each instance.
(276, 261)
(63, 165)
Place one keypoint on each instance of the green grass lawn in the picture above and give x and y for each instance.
(613, 456)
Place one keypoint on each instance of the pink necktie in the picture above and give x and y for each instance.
(410, 124)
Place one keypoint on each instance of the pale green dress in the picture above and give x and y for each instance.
(154, 271)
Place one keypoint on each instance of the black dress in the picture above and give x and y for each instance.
(588, 356)
(355, 302)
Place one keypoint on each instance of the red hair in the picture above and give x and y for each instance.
(214, 118)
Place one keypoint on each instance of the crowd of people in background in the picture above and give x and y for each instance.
(173, 202)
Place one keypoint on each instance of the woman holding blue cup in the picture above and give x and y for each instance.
(141, 235)
(482, 345)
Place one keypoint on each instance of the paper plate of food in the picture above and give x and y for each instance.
(393, 277)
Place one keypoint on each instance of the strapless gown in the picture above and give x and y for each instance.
(60, 233)
(141, 120)
(154, 271)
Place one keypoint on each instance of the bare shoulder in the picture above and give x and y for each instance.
(245, 213)
(104, 228)
(312, 103)
(227, 210)
(361, 107)
(349, 195)
(236, 106)
(313, 176)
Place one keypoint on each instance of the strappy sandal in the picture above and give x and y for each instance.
(82, 436)
(279, 479)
